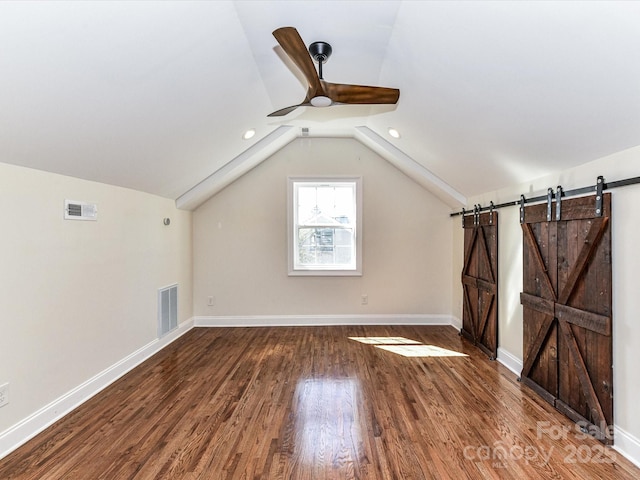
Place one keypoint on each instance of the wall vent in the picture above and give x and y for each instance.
(167, 309)
(305, 131)
(80, 210)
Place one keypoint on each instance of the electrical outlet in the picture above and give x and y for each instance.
(365, 299)
(211, 301)
(4, 394)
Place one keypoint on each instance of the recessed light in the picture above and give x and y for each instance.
(249, 134)
(393, 132)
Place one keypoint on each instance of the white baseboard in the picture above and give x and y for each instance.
(319, 320)
(35, 423)
(456, 322)
(627, 445)
(510, 361)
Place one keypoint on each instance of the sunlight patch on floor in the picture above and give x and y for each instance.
(407, 347)
(385, 340)
(421, 351)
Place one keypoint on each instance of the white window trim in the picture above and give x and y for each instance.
(318, 272)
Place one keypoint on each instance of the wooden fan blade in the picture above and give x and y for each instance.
(360, 94)
(284, 111)
(292, 44)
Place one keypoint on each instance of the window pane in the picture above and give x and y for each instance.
(325, 246)
(345, 203)
(326, 204)
(306, 204)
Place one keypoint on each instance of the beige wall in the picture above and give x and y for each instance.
(76, 297)
(626, 265)
(240, 243)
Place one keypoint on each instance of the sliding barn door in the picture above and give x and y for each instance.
(480, 281)
(567, 310)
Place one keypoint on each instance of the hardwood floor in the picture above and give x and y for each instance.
(312, 403)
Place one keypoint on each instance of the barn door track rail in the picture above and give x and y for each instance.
(597, 189)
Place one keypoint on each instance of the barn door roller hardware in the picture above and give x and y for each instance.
(599, 188)
(477, 208)
(559, 203)
(599, 184)
(522, 202)
(549, 201)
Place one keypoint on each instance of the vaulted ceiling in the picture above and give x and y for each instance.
(155, 96)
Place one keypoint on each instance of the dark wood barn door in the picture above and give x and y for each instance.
(480, 282)
(566, 303)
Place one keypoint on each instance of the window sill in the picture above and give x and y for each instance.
(325, 273)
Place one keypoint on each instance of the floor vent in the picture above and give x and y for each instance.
(167, 309)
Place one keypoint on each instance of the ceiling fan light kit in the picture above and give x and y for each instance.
(321, 93)
(321, 101)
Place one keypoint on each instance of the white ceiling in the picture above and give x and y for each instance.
(155, 96)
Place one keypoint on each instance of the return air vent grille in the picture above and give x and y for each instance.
(167, 309)
(80, 210)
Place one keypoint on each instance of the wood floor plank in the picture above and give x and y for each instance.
(311, 403)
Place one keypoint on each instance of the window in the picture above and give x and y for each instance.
(325, 226)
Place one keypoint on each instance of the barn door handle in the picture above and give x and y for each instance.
(606, 387)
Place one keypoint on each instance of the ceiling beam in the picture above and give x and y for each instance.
(250, 158)
(284, 134)
(410, 167)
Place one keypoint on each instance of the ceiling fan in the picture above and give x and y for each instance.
(321, 93)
